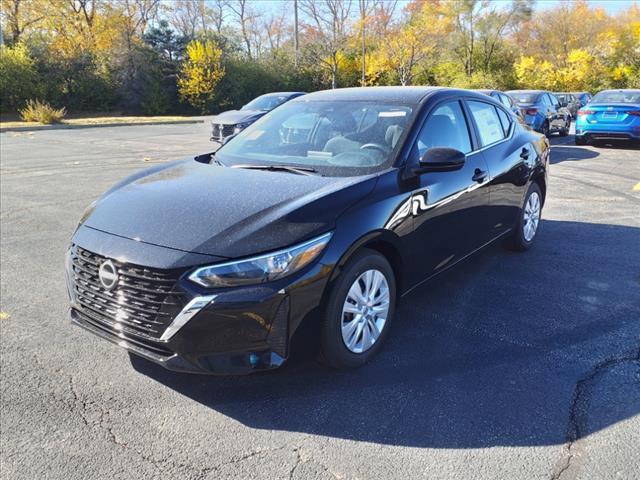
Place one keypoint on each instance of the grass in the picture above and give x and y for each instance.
(42, 112)
(96, 120)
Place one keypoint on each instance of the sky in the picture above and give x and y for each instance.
(611, 6)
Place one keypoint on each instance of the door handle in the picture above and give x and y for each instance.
(479, 175)
(524, 154)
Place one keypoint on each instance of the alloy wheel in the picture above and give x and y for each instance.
(365, 311)
(531, 217)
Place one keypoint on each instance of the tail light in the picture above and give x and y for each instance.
(586, 112)
(635, 113)
(531, 111)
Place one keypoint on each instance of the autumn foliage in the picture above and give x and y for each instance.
(162, 56)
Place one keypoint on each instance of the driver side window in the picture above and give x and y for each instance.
(445, 127)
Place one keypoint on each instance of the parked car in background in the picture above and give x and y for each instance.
(583, 98)
(610, 115)
(542, 111)
(232, 122)
(211, 265)
(505, 100)
(570, 101)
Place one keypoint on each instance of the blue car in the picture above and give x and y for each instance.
(583, 98)
(611, 115)
(542, 111)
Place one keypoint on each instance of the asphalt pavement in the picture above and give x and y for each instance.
(512, 366)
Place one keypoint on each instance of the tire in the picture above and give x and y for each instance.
(580, 140)
(545, 129)
(521, 239)
(333, 347)
(567, 127)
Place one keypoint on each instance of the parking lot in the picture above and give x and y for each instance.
(511, 366)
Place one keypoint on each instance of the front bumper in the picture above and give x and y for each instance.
(241, 330)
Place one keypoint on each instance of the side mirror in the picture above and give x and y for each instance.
(441, 159)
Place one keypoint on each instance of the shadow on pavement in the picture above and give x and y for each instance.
(487, 355)
(562, 153)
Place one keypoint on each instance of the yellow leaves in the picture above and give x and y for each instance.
(200, 73)
(621, 72)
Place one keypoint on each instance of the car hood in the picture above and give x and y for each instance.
(222, 211)
(233, 117)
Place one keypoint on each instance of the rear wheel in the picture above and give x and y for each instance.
(545, 129)
(567, 126)
(527, 227)
(359, 311)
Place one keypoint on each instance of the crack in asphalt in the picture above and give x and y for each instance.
(579, 405)
(297, 464)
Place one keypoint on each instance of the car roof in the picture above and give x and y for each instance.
(280, 94)
(385, 94)
(528, 91)
(620, 90)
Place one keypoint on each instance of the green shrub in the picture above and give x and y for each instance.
(37, 111)
(18, 77)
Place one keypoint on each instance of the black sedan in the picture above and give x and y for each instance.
(231, 122)
(327, 210)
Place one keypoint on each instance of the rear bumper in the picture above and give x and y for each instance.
(607, 132)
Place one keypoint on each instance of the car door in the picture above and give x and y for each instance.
(449, 208)
(508, 161)
(557, 113)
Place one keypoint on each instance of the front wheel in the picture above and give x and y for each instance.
(527, 227)
(359, 311)
(580, 140)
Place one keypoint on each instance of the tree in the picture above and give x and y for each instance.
(247, 18)
(20, 15)
(407, 46)
(200, 73)
(327, 32)
(164, 40)
(19, 79)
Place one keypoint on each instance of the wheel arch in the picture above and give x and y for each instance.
(385, 243)
(541, 181)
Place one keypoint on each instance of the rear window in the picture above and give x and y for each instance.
(524, 97)
(629, 96)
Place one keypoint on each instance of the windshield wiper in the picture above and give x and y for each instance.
(280, 168)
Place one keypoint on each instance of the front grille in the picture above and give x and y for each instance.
(221, 131)
(143, 303)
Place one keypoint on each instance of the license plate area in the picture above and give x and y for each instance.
(610, 115)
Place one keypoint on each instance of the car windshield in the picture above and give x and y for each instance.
(335, 138)
(562, 98)
(266, 102)
(524, 97)
(628, 96)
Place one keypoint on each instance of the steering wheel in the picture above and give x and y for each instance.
(375, 146)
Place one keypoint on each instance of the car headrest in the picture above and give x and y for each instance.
(392, 135)
(441, 132)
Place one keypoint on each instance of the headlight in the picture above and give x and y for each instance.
(241, 126)
(261, 269)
